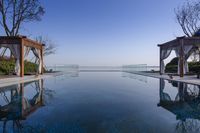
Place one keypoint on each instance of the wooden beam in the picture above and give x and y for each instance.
(187, 41)
(6, 40)
(18, 39)
(192, 41)
(172, 43)
(33, 44)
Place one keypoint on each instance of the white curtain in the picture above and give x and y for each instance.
(1, 47)
(38, 55)
(186, 51)
(15, 50)
(165, 52)
(26, 52)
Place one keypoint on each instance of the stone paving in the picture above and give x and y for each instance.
(16, 80)
(186, 79)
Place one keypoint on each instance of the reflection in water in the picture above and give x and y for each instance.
(67, 75)
(185, 105)
(134, 76)
(16, 107)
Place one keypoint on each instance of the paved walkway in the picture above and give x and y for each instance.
(186, 79)
(16, 80)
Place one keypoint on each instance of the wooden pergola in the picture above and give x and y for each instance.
(17, 47)
(183, 47)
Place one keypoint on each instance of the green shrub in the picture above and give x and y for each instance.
(8, 66)
(194, 67)
(172, 66)
(30, 67)
(171, 69)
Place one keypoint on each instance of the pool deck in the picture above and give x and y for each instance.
(186, 79)
(16, 80)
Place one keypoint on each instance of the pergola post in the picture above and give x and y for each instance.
(22, 59)
(181, 66)
(160, 61)
(41, 51)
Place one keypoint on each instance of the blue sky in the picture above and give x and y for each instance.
(106, 32)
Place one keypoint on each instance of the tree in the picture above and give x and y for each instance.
(50, 46)
(188, 17)
(13, 13)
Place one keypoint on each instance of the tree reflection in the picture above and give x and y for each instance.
(185, 105)
(16, 106)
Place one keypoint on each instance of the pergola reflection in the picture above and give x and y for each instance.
(185, 106)
(18, 107)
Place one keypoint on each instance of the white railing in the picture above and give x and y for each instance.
(124, 68)
(134, 68)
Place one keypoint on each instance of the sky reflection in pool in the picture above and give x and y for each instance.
(100, 102)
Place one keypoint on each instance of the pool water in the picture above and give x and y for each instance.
(100, 102)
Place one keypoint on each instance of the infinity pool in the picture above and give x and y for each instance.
(100, 102)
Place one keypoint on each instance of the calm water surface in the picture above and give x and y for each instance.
(106, 102)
